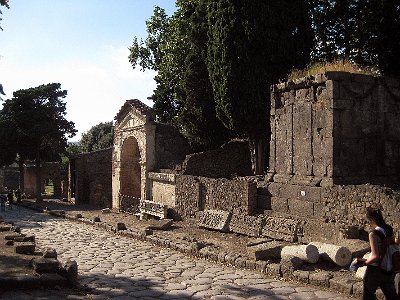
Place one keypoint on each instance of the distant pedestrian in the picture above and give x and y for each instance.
(10, 199)
(3, 200)
(17, 194)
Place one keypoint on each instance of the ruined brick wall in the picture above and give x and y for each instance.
(92, 178)
(232, 159)
(171, 147)
(336, 128)
(200, 193)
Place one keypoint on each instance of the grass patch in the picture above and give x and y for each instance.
(340, 65)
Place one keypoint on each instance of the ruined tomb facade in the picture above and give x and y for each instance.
(50, 171)
(336, 128)
(90, 178)
(141, 145)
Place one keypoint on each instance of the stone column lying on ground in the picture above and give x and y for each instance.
(337, 254)
(308, 253)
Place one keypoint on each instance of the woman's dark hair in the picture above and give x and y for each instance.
(375, 214)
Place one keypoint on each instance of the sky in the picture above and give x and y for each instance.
(82, 44)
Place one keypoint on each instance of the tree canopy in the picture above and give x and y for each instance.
(363, 31)
(98, 137)
(176, 47)
(35, 127)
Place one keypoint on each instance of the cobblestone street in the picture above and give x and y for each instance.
(115, 267)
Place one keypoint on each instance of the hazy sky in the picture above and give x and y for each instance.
(82, 44)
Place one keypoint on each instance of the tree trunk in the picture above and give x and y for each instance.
(21, 175)
(38, 179)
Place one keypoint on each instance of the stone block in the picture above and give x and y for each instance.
(71, 272)
(50, 253)
(302, 276)
(274, 270)
(280, 228)
(214, 219)
(261, 265)
(358, 248)
(279, 204)
(121, 226)
(5, 227)
(164, 224)
(290, 264)
(320, 278)
(45, 265)
(152, 208)
(230, 258)
(271, 250)
(301, 208)
(358, 289)
(12, 237)
(247, 225)
(342, 284)
(30, 238)
(24, 248)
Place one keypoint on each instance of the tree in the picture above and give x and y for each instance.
(37, 128)
(176, 47)
(3, 3)
(251, 46)
(362, 31)
(98, 137)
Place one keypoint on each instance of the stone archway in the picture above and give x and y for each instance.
(130, 174)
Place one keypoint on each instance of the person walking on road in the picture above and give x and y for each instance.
(375, 276)
(10, 199)
(3, 200)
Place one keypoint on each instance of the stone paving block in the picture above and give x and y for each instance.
(24, 248)
(342, 284)
(302, 276)
(214, 219)
(320, 278)
(274, 270)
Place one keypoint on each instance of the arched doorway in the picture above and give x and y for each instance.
(130, 175)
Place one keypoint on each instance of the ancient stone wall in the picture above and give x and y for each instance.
(91, 178)
(200, 193)
(330, 213)
(232, 159)
(337, 128)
